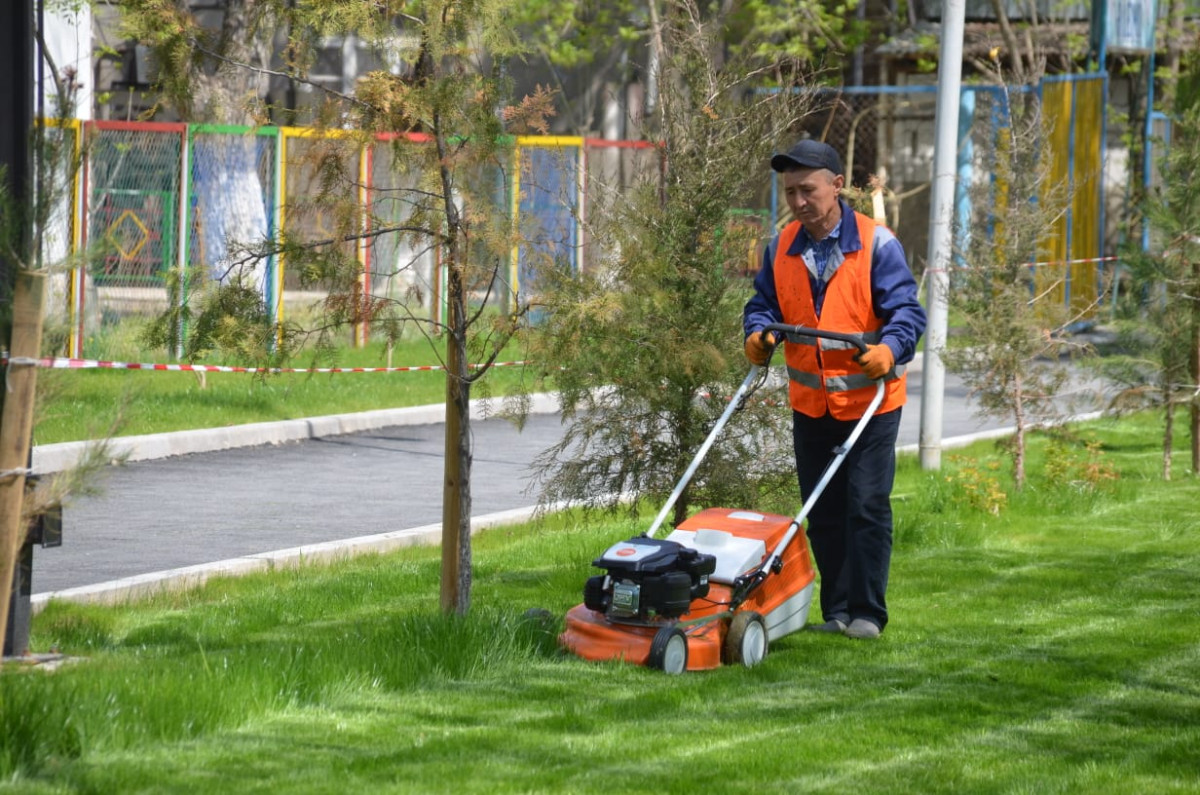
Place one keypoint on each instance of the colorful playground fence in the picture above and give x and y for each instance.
(158, 199)
(154, 199)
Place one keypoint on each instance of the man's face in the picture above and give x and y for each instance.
(812, 195)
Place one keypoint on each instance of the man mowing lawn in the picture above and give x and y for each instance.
(837, 270)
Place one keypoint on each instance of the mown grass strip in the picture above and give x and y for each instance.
(1051, 647)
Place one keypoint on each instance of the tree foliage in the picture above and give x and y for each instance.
(813, 32)
(646, 350)
(602, 47)
(205, 74)
(1014, 315)
(570, 33)
(1164, 325)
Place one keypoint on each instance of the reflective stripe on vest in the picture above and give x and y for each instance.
(823, 374)
(840, 383)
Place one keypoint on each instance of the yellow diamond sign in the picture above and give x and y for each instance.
(128, 234)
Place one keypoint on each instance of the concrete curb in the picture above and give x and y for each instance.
(58, 457)
(50, 458)
(142, 586)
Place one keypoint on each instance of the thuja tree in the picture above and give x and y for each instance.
(1012, 341)
(446, 106)
(646, 348)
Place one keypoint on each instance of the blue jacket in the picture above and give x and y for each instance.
(893, 288)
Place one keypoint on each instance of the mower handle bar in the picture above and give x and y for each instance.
(736, 403)
(785, 329)
(748, 582)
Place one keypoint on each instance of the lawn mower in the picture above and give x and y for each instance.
(721, 585)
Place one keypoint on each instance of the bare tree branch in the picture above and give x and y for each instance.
(289, 75)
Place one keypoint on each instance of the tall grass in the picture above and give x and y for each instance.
(1047, 644)
(186, 666)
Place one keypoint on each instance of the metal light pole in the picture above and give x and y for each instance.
(941, 218)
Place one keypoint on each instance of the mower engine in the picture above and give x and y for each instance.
(648, 577)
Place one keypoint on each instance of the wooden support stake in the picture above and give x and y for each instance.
(16, 426)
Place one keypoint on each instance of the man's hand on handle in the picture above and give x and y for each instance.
(759, 346)
(876, 362)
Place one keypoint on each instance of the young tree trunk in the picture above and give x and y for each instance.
(456, 487)
(456, 491)
(1194, 372)
(1168, 433)
(16, 427)
(1019, 438)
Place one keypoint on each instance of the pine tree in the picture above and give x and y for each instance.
(1008, 291)
(1160, 316)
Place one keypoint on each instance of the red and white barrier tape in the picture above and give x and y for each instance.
(95, 364)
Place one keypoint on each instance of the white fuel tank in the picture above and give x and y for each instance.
(735, 555)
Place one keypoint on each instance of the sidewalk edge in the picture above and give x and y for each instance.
(58, 457)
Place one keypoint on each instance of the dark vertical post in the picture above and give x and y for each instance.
(16, 97)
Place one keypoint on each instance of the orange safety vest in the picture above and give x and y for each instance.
(822, 373)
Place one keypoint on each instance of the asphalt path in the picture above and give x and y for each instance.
(156, 517)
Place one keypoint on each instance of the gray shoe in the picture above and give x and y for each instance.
(862, 629)
(833, 625)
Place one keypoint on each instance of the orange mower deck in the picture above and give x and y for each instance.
(782, 599)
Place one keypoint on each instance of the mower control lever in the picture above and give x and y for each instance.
(745, 585)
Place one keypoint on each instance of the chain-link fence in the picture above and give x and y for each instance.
(59, 230)
(325, 192)
(611, 170)
(134, 171)
(403, 262)
(549, 197)
(233, 212)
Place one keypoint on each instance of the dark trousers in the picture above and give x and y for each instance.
(850, 525)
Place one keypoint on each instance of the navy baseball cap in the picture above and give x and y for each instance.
(808, 154)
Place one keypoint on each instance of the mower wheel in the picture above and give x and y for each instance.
(668, 651)
(746, 641)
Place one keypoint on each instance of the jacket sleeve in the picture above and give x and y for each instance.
(894, 294)
(763, 306)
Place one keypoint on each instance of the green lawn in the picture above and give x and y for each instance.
(1051, 647)
(78, 405)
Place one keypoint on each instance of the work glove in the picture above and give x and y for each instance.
(877, 361)
(759, 346)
